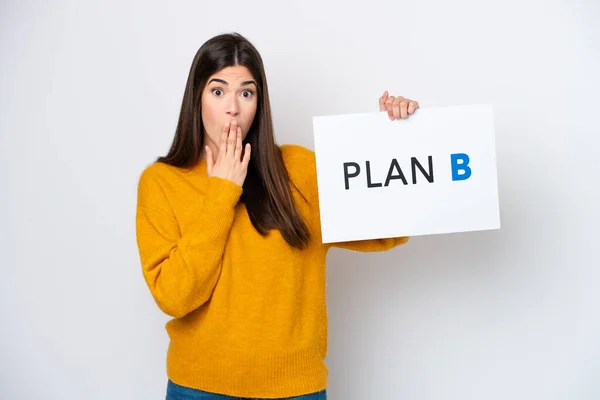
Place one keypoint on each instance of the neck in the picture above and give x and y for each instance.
(213, 148)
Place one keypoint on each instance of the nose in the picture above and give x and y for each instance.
(233, 108)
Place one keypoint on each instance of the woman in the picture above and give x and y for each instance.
(229, 239)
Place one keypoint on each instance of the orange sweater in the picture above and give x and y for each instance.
(250, 316)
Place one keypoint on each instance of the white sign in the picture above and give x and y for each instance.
(432, 173)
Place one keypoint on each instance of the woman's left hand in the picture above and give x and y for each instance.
(397, 107)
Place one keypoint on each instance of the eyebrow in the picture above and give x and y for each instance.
(225, 82)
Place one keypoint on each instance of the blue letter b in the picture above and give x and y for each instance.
(460, 166)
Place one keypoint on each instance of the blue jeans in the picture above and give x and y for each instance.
(177, 392)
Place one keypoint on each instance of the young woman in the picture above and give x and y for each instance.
(230, 243)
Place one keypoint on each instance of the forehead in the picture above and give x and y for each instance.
(233, 74)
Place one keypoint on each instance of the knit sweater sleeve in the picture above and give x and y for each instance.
(371, 244)
(181, 271)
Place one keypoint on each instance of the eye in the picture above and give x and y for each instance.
(217, 91)
(248, 94)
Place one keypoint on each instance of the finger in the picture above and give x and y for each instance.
(231, 139)
(223, 141)
(396, 107)
(412, 107)
(404, 108)
(209, 160)
(238, 145)
(382, 101)
(246, 158)
(389, 105)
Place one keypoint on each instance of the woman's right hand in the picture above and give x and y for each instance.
(229, 164)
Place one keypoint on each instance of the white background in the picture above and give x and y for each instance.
(351, 210)
(90, 96)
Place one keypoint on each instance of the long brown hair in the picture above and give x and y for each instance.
(266, 193)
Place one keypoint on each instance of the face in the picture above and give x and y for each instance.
(230, 94)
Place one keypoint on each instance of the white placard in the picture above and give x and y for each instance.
(432, 173)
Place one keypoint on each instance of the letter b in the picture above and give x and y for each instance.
(459, 162)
